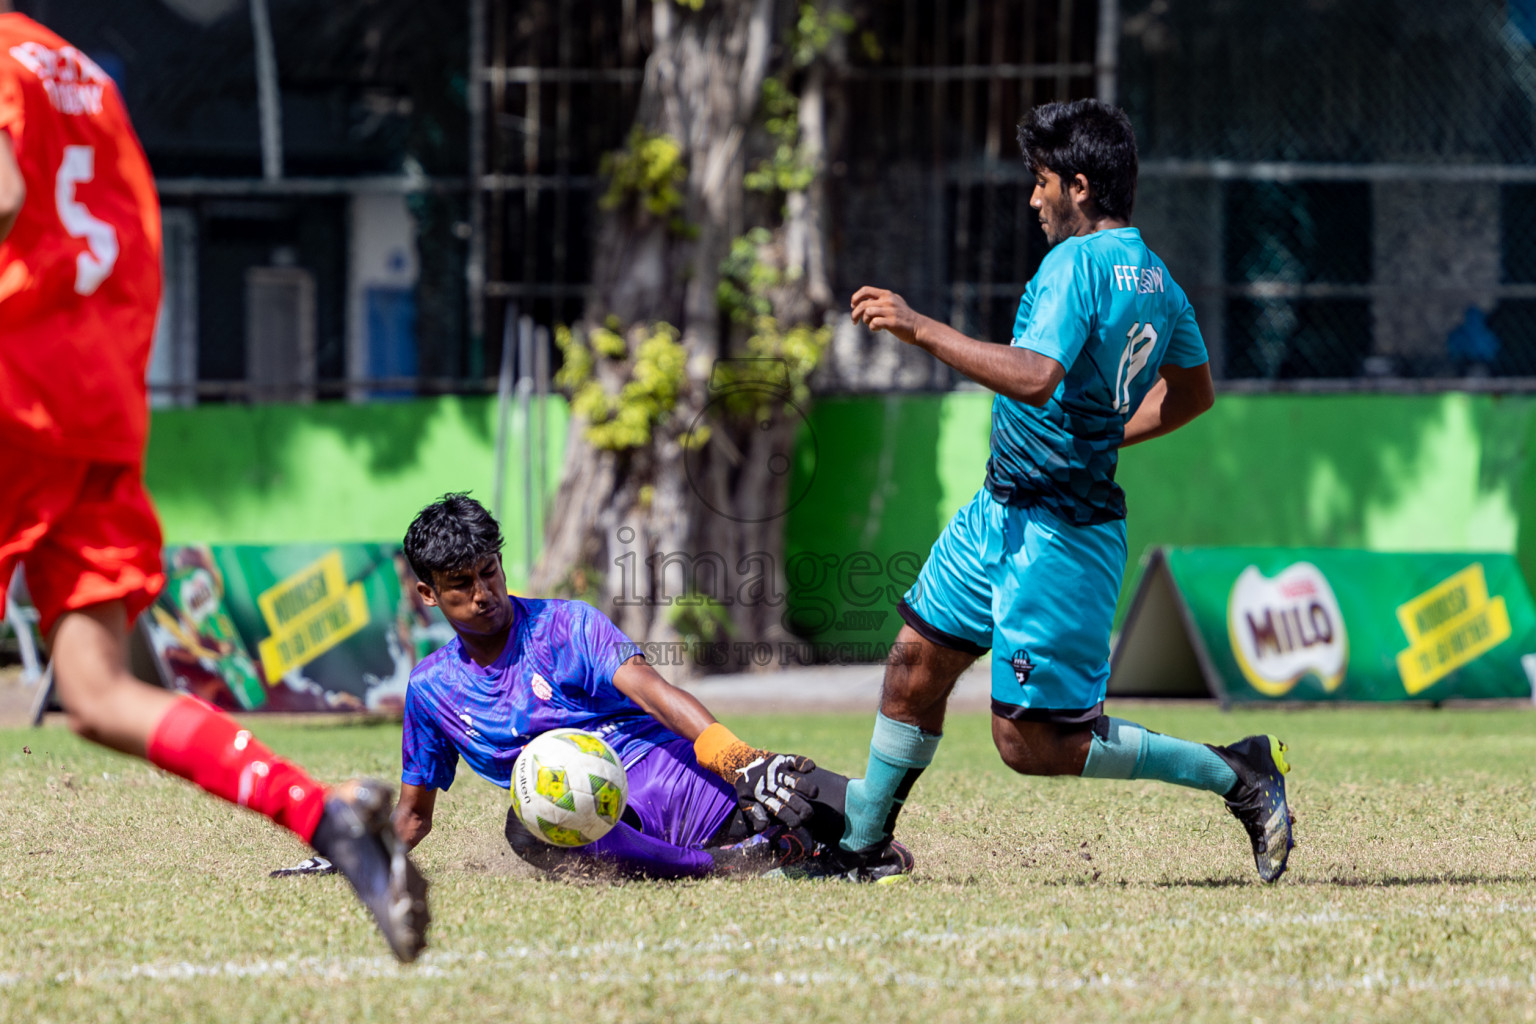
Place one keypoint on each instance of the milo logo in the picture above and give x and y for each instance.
(1287, 627)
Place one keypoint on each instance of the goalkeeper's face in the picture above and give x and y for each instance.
(473, 599)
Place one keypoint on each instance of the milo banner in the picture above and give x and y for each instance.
(311, 627)
(1295, 624)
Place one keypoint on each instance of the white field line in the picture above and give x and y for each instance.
(449, 963)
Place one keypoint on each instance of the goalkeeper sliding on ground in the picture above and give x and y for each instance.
(701, 801)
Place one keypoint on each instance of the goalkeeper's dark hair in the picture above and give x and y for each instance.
(1085, 137)
(454, 532)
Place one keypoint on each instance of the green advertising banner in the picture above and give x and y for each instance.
(295, 627)
(1315, 624)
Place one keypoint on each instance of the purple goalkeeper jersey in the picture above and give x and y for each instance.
(556, 672)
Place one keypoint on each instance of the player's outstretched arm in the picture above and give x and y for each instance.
(768, 785)
(1180, 394)
(1017, 373)
(678, 710)
(13, 188)
(413, 814)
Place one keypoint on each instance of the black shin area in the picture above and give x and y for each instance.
(827, 824)
(530, 849)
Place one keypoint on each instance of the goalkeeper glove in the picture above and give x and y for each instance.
(775, 788)
(769, 787)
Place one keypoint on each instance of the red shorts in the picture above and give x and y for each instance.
(85, 531)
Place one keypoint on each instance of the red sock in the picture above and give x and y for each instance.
(209, 748)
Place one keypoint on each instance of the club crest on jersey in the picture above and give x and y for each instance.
(1022, 666)
(541, 687)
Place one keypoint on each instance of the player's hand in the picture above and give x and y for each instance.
(775, 788)
(881, 309)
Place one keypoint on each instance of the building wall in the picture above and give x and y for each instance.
(334, 471)
(1446, 472)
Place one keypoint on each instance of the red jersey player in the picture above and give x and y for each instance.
(79, 290)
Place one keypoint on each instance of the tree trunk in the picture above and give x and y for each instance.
(679, 538)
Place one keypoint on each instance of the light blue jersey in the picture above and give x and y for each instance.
(1105, 307)
(1031, 568)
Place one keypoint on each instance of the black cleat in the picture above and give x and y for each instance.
(885, 864)
(308, 866)
(1258, 800)
(769, 851)
(355, 834)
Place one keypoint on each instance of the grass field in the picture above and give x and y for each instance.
(125, 895)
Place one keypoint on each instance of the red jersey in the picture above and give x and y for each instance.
(80, 270)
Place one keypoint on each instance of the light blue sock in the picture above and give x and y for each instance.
(898, 753)
(1131, 752)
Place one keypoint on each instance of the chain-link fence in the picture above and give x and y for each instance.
(1347, 190)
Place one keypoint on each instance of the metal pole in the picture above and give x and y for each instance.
(474, 267)
(268, 102)
(1106, 56)
(524, 421)
(541, 422)
(503, 409)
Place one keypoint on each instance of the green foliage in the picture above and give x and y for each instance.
(787, 170)
(653, 374)
(870, 44)
(814, 31)
(782, 358)
(799, 348)
(779, 359)
(699, 618)
(647, 174)
(745, 279)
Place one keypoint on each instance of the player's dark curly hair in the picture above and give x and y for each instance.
(454, 532)
(1085, 137)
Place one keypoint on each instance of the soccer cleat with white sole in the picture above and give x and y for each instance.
(355, 835)
(1258, 800)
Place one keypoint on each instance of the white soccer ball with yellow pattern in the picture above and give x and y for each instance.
(568, 787)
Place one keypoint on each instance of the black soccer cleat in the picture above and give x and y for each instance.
(307, 866)
(1258, 800)
(766, 852)
(885, 864)
(355, 834)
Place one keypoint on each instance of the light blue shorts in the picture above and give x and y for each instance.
(1038, 592)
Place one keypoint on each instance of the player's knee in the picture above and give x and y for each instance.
(1038, 748)
(1019, 756)
(110, 706)
(1016, 751)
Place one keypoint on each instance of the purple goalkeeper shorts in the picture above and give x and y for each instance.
(675, 799)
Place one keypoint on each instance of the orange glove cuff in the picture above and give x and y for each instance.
(718, 749)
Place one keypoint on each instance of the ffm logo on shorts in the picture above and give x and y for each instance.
(1022, 666)
(1285, 628)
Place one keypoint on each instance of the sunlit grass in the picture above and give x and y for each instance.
(126, 895)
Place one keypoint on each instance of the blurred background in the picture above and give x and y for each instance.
(380, 214)
(1346, 189)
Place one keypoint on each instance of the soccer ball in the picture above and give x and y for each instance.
(568, 787)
